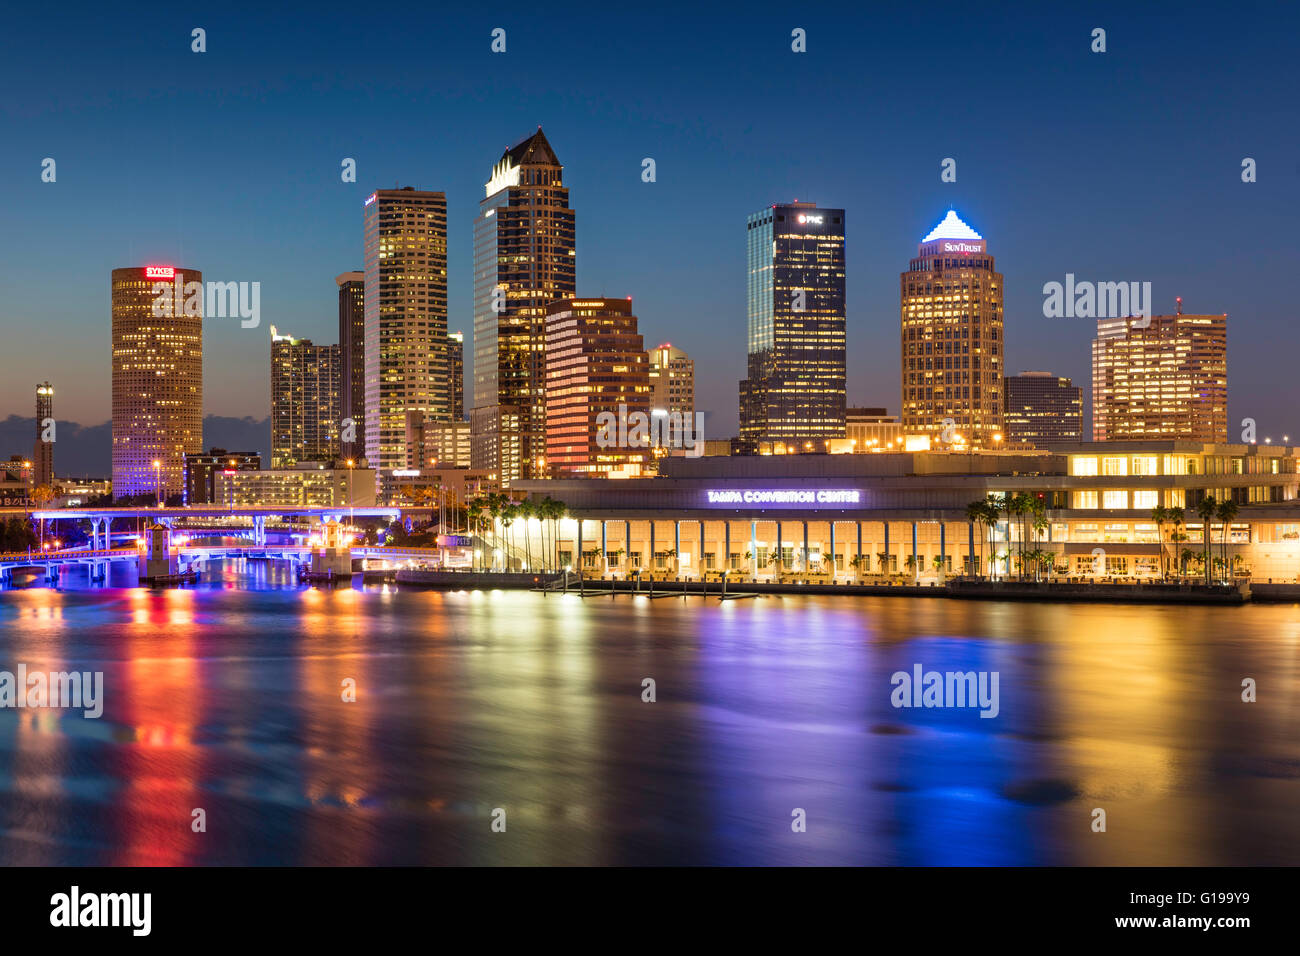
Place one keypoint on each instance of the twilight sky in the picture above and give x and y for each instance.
(1122, 166)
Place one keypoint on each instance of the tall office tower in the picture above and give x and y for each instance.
(596, 366)
(43, 451)
(952, 343)
(406, 318)
(305, 394)
(456, 369)
(1166, 379)
(352, 357)
(795, 388)
(157, 377)
(1042, 409)
(523, 261)
(672, 381)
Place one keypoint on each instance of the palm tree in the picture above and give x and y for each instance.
(1226, 511)
(997, 504)
(1040, 525)
(1176, 516)
(1020, 505)
(1206, 508)
(975, 512)
(1159, 515)
(42, 495)
(525, 510)
(882, 561)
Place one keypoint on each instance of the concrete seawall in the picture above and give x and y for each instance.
(963, 590)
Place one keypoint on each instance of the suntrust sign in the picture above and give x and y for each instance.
(784, 496)
(963, 247)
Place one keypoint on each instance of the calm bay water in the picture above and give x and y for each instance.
(228, 698)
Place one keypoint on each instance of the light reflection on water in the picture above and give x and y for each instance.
(229, 699)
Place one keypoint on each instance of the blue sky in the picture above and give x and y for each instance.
(1116, 166)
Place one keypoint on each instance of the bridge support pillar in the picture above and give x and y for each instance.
(259, 531)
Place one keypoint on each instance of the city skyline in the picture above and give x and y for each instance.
(694, 295)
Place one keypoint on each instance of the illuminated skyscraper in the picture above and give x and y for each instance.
(1166, 379)
(456, 369)
(1042, 409)
(595, 365)
(672, 381)
(523, 261)
(43, 451)
(352, 359)
(406, 318)
(157, 377)
(305, 388)
(952, 344)
(794, 391)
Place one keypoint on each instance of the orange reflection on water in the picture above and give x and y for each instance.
(159, 697)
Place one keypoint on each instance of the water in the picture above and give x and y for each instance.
(229, 700)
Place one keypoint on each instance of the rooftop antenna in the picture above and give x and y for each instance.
(1179, 300)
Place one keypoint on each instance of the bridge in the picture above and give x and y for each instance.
(99, 558)
(101, 519)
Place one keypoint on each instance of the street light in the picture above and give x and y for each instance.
(351, 510)
(157, 480)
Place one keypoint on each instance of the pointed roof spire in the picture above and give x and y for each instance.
(952, 227)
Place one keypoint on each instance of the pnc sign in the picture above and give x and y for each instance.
(160, 272)
(815, 220)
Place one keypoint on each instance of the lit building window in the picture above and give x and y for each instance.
(1083, 467)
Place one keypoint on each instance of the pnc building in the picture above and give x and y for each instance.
(157, 377)
(952, 342)
(794, 391)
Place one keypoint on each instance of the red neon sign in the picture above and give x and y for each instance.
(160, 272)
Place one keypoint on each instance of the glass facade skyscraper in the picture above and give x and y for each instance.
(524, 259)
(794, 391)
(352, 359)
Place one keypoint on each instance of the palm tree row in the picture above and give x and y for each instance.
(1225, 511)
(495, 515)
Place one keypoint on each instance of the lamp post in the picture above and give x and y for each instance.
(157, 480)
(351, 509)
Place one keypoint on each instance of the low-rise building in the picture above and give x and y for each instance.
(848, 515)
(311, 483)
